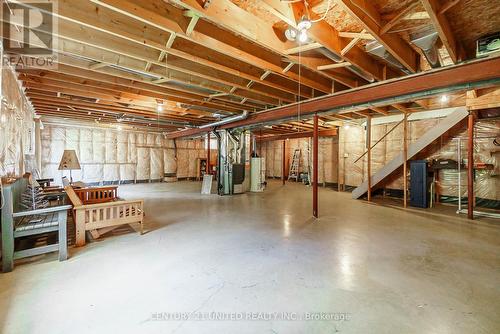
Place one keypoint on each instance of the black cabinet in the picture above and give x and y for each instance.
(419, 184)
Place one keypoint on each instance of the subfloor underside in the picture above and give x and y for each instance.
(258, 263)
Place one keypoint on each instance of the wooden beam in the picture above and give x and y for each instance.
(163, 16)
(90, 18)
(324, 33)
(398, 17)
(450, 77)
(369, 18)
(336, 65)
(97, 65)
(192, 23)
(303, 48)
(288, 67)
(351, 44)
(443, 28)
(358, 35)
(448, 5)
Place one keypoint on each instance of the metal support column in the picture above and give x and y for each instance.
(315, 167)
(283, 162)
(405, 157)
(470, 166)
(369, 154)
(209, 170)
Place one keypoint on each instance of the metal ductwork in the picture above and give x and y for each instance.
(225, 120)
(336, 58)
(426, 40)
(378, 50)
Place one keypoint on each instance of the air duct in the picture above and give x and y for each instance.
(378, 50)
(225, 120)
(336, 58)
(426, 40)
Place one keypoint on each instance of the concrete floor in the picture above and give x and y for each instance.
(384, 269)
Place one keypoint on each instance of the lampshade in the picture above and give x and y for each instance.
(69, 161)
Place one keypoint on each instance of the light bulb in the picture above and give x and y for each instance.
(444, 98)
(303, 36)
(346, 126)
(160, 107)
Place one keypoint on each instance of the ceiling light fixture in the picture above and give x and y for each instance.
(444, 98)
(159, 106)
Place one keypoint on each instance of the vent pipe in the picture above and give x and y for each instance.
(336, 58)
(426, 41)
(225, 120)
(378, 50)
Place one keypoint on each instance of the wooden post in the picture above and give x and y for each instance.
(315, 167)
(369, 154)
(405, 157)
(283, 162)
(470, 167)
(209, 170)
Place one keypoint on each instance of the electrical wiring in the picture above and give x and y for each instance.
(324, 14)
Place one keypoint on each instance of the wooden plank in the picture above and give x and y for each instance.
(398, 17)
(369, 18)
(336, 65)
(443, 28)
(161, 16)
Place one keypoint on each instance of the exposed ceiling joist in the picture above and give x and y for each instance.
(443, 28)
(370, 19)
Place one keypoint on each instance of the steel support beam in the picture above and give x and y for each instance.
(315, 166)
(413, 87)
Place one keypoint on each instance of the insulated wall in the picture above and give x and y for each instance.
(487, 185)
(328, 157)
(16, 127)
(108, 155)
(352, 144)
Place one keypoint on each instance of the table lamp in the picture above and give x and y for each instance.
(69, 161)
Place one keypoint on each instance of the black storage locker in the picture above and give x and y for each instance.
(419, 184)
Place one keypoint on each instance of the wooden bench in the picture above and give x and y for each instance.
(95, 195)
(16, 224)
(101, 218)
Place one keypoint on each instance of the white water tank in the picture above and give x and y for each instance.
(257, 174)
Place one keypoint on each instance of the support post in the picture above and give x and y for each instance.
(405, 157)
(208, 171)
(283, 162)
(315, 167)
(369, 154)
(470, 166)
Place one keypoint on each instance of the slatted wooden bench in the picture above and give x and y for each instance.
(16, 224)
(101, 218)
(95, 195)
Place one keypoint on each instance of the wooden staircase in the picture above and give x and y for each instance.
(430, 136)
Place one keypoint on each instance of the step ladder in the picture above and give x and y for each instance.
(293, 173)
